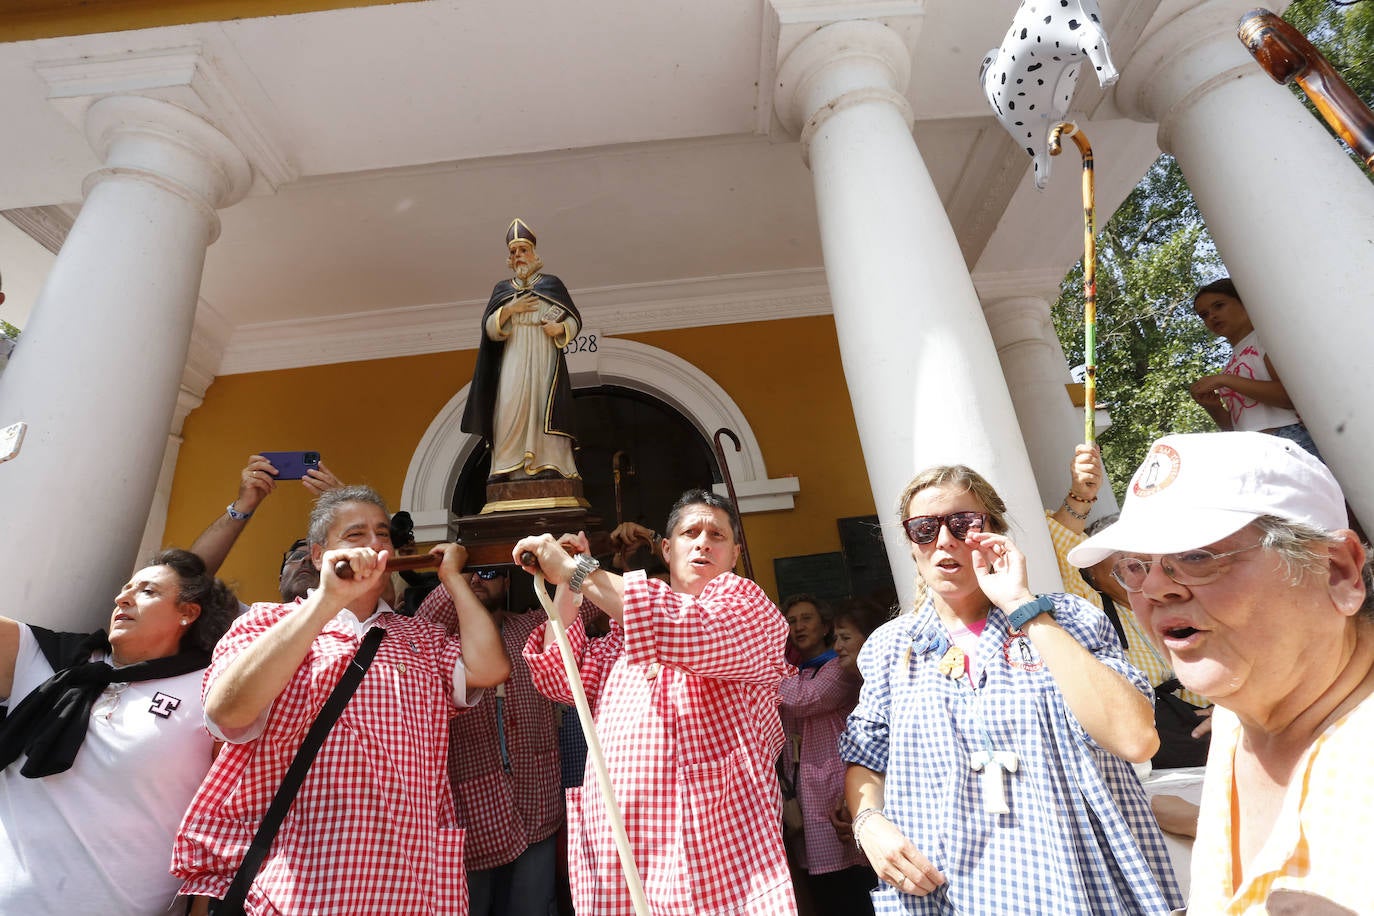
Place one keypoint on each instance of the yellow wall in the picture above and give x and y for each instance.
(366, 419)
(21, 20)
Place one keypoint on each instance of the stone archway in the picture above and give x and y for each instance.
(444, 449)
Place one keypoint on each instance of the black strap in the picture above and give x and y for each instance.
(1109, 608)
(295, 775)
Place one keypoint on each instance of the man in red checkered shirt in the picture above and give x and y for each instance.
(372, 828)
(504, 767)
(684, 690)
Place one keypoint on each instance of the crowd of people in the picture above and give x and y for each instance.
(378, 744)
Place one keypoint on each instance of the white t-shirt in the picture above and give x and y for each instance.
(98, 837)
(1247, 414)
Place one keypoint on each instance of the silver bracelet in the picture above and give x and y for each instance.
(1065, 506)
(857, 825)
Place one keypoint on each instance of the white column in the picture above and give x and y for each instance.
(1292, 217)
(156, 525)
(1036, 374)
(98, 371)
(921, 367)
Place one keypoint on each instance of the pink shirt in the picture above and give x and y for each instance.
(815, 704)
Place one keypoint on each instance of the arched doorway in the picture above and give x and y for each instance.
(661, 454)
(445, 453)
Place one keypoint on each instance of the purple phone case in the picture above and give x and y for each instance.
(292, 465)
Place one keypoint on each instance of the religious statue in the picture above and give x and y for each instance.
(520, 400)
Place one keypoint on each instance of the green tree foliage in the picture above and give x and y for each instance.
(1152, 255)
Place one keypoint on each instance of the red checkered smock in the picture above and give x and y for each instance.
(504, 812)
(685, 696)
(372, 829)
(815, 704)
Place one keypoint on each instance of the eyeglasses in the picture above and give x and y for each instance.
(297, 552)
(486, 575)
(1191, 567)
(922, 529)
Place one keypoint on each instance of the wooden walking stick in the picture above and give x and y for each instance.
(584, 717)
(730, 488)
(1067, 129)
(1286, 55)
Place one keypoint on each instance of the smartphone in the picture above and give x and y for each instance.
(292, 465)
(11, 437)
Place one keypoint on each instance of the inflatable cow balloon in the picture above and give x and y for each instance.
(1029, 80)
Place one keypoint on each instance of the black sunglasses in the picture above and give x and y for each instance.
(922, 529)
(486, 575)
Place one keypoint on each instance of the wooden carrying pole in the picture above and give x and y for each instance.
(1286, 55)
(584, 716)
(1066, 129)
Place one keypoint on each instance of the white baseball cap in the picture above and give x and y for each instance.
(1193, 490)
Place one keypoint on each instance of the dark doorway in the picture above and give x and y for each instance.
(663, 456)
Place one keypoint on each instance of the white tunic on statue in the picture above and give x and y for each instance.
(528, 363)
(98, 837)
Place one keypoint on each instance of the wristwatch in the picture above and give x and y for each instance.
(586, 565)
(1030, 610)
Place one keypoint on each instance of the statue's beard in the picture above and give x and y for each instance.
(526, 270)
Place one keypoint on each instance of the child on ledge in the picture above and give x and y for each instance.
(1247, 395)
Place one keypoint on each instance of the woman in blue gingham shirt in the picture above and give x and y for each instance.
(1053, 820)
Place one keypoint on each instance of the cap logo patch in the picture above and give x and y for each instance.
(1159, 470)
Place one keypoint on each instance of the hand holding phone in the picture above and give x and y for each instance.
(292, 465)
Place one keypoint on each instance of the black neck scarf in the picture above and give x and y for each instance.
(50, 723)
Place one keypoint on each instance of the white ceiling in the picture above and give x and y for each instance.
(401, 140)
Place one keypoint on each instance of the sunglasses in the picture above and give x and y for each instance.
(1191, 567)
(486, 575)
(922, 529)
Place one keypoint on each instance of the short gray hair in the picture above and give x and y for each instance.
(328, 505)
(1299, 546)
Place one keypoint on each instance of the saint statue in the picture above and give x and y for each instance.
(520, 400)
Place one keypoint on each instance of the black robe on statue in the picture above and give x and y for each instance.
(479, 416)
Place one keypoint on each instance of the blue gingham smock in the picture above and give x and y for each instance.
(1080, 838)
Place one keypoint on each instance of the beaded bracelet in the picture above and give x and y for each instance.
(859, 820)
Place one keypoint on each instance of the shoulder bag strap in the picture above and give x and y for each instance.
(295, 775)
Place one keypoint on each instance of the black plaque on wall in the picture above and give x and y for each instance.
(820, 574)
(861, 540)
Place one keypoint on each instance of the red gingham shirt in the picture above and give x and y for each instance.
(504, 812)
(685, 696)
(815, 704)
(372, 829)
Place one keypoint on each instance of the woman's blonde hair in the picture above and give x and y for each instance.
(960, 477)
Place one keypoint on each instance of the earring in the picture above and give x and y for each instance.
(185, 622)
